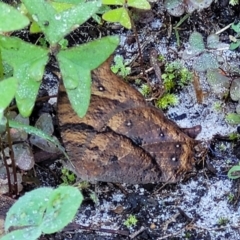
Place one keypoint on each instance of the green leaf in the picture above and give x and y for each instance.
(28, 62)
(37, 132)
(234, 172)
(236, 27)
(29, 233)
(204, 62)
(175, 7)
(113, 2)
(29, 209)
(235, 89)
(141, 4)
(196, 42)
(119, 15)
(213, 40)
(76, 65)
(59, 7)
(219, 83)
(42, 210)
(68, 1)
(61, 23)
(11, 19)
(61, 209)
(8, 88)
(233, 118)
(34, 28)
(234, 45)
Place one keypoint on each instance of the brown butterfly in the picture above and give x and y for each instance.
(122, 138)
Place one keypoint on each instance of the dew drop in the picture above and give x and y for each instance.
(57, 16)
(35, 18)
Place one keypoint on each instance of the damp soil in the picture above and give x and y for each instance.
(204, 205)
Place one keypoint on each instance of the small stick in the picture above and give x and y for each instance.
(154, 64)
(223, 29)
(133, 235)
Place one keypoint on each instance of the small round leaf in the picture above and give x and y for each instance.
(196, 41)
(29, 209)
(235, 90)
(62, 207)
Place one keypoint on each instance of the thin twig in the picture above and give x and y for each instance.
(6, 166)
(223, 29)
(133, 235)
(13, 160)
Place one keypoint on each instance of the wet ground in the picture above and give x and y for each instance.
(205, 205)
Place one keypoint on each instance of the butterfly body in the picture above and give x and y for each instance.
(122, 138)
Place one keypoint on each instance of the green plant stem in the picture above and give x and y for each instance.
(6, 166)
(12, 159)
(178, 25)
(139, 46)
(182, 20)
(177, 37)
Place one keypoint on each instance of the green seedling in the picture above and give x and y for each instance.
(138, 81)
(120, 67)
(83, 185)
(121, 14)
(131, 221)
(145, 90)
(230, 197)
(188, 235)
(43, 210)
(28, 61)
(167, 100)
(222, 147)
(218, 106)
(93, 196)
(175, 77)
(222, 221)
(233, 118)
(228, 161)
(161, 58)
(233, 2)
(68, 177)
(234, 136)
(176, 28)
